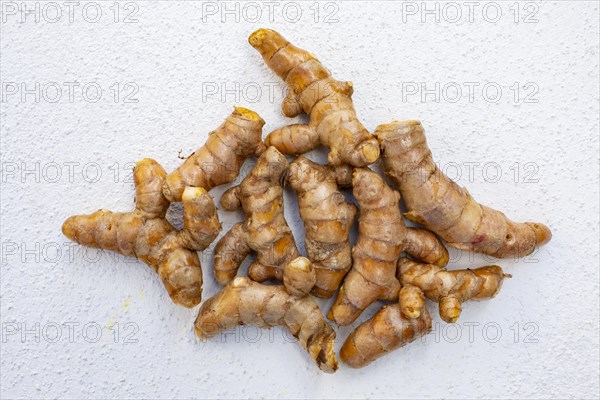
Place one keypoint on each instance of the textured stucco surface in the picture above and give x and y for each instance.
(547, 314)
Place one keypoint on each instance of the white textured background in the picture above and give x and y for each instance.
(541, 337)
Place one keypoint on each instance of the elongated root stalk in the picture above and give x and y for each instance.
(147, 235)
(382, 237)
(438, 203)
(219, 160)
(328, 102)
(450, 288)
(327, 220)
(244, 302)
(264, 229)
(388, 330)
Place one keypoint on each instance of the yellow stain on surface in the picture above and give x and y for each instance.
(126, 303)
(113, 318)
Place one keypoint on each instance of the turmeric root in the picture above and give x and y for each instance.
(328, 102)
(411, 301)
(386, 331)
(382, 237)
(147, 235)
(219, 160)
(451, 288)
(244, 302)
(442, 206)
(264, 229)
(327, 219)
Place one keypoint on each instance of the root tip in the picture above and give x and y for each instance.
(257, 37)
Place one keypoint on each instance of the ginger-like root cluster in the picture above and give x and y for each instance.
(438, 203)
(244, 302)
(145, 233)
(264, 229)
(373, 269)
(327, 220)
(328, 102)
(382, 237)
(219, 160)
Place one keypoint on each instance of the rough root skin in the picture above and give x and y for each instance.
(264, 229)
(388, 330)
(312, 89)
(244, 302)
(219, 160)
(327, 220)
(451, 288)
(442, 206)
(382, 237)
(147, 235)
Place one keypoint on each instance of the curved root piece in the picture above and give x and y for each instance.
(382, 237)
(264, 229)
(244, 302)
(451, 288)
(147, 235)
(328, 102)
(442, 206)
(327, 220)
(388, 330)
(219, 160)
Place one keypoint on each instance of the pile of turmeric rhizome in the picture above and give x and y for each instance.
(390, 261)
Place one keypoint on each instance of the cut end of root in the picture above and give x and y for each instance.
(359, 175)
(267, 42)
(410, 312)
(257, 37)
(191, 193)
(239, 281)
(247, 114)
(301, 264)
(326, 359)
(371, 153)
